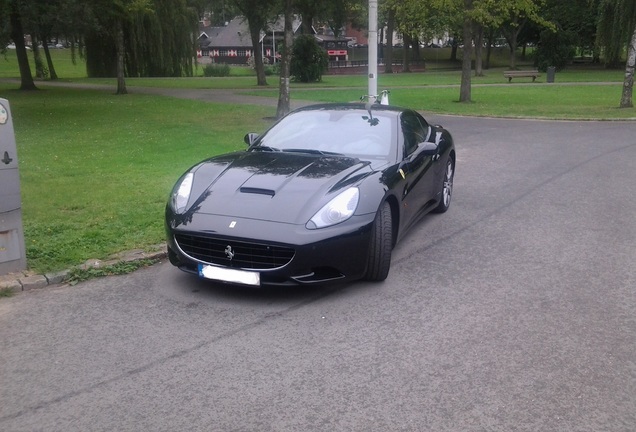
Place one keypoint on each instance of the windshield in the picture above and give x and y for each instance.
(355, 133)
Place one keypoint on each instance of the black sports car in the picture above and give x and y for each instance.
(323, 195)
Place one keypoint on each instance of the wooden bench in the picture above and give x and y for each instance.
(521, 74)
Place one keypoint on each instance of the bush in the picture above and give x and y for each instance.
(276, 69)
(251, 62)
(216, 70)
(555, 49)
(309, 60)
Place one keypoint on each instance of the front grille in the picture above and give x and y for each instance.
(245, 254)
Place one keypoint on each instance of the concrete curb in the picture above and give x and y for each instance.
(25, 281)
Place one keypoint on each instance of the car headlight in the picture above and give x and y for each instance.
(339, 209)
(181, 193)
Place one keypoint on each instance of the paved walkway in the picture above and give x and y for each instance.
(207, 95)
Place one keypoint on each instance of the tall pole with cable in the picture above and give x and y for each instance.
(373, 47)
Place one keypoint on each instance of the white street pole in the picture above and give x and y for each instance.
(373, 47)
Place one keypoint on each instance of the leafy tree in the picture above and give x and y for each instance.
(105, 45)
(628, 84)
(573, 25)
(309, 11)
(336, 13)
(616, 21)
(14, 10)
(410, 21)
(339, 13)
(617, 29)
(40, 71)
(390, 28)
(44, 18)
(309, 60)
(5, 28)
(465, 85)
(221, 11)
(283, 95)
(140, 38)
(160, 38)
(578, 17)
(258, 14)
(556, 49)
(413, 19)
(516, 14)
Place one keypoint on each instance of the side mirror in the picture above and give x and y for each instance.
(250, 138)
(428, 148)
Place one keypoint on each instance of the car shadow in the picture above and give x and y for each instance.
(191, 287)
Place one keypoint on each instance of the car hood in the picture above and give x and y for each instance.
(275, 186)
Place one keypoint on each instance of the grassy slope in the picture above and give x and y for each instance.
(96, 169)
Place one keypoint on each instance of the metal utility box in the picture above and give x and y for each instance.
(12, 250)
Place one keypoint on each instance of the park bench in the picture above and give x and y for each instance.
(521, 73)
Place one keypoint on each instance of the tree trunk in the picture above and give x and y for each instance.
(489, 38)
(261, 79)
(40, 73)
(453, 54)
(465, 90)
(406, 63)
(415, 45)
(283, 94)
(119, 37)
(511, 36)
(512, 45)
(381, 45)
(49, 61)
(628, 85)
(388, 57)
(17, 34)
(307, 23)
(479, 46)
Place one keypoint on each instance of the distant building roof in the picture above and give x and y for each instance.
(236, 33)
(279, 25)
(329, 38)
(206, 33)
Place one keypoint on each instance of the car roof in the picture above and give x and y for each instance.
(353, 107)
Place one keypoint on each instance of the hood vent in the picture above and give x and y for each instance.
(258, 191)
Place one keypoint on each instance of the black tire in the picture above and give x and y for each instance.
(447, 187)
(379, 256)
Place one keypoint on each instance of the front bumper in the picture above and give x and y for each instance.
(319, 256)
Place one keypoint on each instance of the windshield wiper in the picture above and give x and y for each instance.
(265, 148)
(314, 151)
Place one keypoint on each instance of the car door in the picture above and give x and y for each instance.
(417, 166)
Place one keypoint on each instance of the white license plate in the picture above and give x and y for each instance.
(229, 275)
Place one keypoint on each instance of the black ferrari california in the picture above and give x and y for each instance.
(324, 195)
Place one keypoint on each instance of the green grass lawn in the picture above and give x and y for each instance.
(553, 101)
(96, 169)
(239, 80)
(65, 65)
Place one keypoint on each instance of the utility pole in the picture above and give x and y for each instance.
(373, 47)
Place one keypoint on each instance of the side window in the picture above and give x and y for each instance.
(414, 132)
(426, 129)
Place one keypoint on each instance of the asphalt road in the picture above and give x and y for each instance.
(514, 311)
